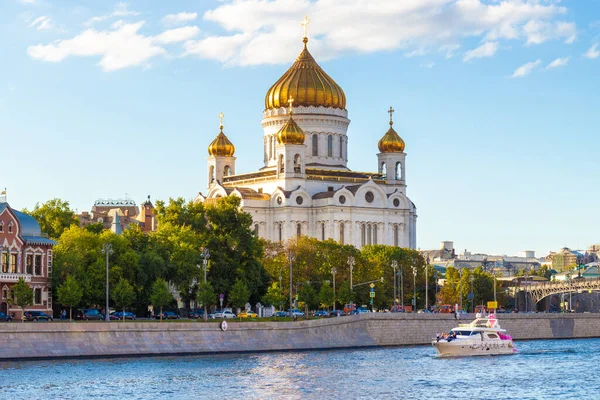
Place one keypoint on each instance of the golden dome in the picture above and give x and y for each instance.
(391, 142)
(291, 133)
(308, 84)
(221, 146)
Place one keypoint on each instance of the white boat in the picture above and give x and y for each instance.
(482, 337)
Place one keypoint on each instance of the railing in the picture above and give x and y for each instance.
(8, 277)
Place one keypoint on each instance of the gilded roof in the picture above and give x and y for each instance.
(221, 146)
(290, 133)
(391, 142)
(308, 84)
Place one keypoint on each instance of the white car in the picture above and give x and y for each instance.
(222, 314)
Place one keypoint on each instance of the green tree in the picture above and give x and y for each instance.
(123, 294)
(54, 216)
(326, 295)
(24, 295)
(206, 295)
(309, 295)
(274, 296)
(69, 294)
(161, 296)
(344, 293)
(239, 294)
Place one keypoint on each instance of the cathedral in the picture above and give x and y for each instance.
(305, 186)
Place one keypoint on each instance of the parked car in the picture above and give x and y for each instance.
(119, 315)
(248, 314)
(222, 314)
(322, 313)
(337, 313)
(424, 311)
(297, 313)
(37, 316)
(5, 318)
(87, 314)
(167, 315)
(362, 310)
(281, 313)
(195, 314)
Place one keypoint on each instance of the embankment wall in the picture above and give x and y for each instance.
(100, 339)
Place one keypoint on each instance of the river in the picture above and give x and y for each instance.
(558, 369)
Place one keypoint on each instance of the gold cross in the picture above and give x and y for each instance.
(221, 115)
(305, 23)
(291, 103)
(391, 111)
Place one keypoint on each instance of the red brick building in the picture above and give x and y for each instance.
(24, 252)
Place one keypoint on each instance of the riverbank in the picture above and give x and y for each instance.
(100, 339)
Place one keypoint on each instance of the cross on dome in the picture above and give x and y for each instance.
(221, 115)
(304, 24)
(391, 112)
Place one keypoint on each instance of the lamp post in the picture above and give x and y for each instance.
(351, 262)
(460, 272)
(107, 250)
(526, 280)
(333, 272)
(291, 259)
(472, 294)
(426, 284)
(394, 266)
(401, 272)
(414, 268)
(205, 257)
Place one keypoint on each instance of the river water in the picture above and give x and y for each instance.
(557, 369)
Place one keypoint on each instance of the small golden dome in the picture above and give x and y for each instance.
(391, 142)
(291, 133)
(221, 146)
(308, 84)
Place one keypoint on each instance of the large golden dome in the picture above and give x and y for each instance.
(221, 146)
(391, 142)
(291, 133)
(308, 84)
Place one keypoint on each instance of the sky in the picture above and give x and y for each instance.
(496, 100)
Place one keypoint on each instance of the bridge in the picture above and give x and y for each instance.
(538, 291)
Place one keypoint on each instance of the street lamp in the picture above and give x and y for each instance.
(394, 266)
(205, 257)
(414, 268)
(291, 259)
(351, 263)
(333, 272)
(107, 250)
(460, 272)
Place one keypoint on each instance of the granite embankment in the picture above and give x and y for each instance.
(99, 339)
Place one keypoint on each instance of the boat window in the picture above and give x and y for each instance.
(462, 333)
(492, 336)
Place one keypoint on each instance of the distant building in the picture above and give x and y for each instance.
(25, 252)
(565, 259)
(118, 214)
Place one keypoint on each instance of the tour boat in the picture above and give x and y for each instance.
(482, 337)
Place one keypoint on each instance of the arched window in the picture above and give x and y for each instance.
(256, 229)
(1, 226)
(298, 230)
(315, 145)
(383, 170)
(342, 233)
(329, 146)
(341, 147)
(211, 174)
(398, 170)
(227, 170)
(363, 238)
(369, 232)
(29, 264)
(323, 231)
(37, 296)
(396, 235)
(10, 225)
(280, 231)
(281, 164)
(374, 233)
(270, 147)
(297, 164)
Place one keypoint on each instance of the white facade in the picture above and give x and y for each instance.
(307, 189)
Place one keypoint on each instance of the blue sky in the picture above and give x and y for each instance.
(496, 100)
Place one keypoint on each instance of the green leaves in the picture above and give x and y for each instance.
(23, 293)
(161, 296)
(239, 294)
(54, 217)
(123, 294)
(69, 293)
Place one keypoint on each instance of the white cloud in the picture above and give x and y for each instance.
(120, 48)
(593, 52)
(179, 19)
(268, 31)
(42, 23)
(428, 65)
(121, 10)
(27, 1)
(526, 69)
(177, 35)
(559, 62)
(488, 49)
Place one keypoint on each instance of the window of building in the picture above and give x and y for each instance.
(256, 229)
(323, 231)
(398, 171)
(1, 226)
(38, 265)
(369, 234)
(369, 197)
(396, 202)
(211, 174)
(297, 164)
(299, 200)
(383, 170)
(37, 296)
(281, 163)
(330, 188)
(4, 257)
(315, 145)
(298, 230)
(227, 170)
(375, 234)
(329, 146)
(342, 233)
(29, 264)
(395, 235)
(280, 231)
(363, 237)
(342, 199)
(5, 293)
(341, 147)
(10, 225)
(13, 263)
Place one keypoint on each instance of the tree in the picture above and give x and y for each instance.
(274, 296)
(345, 294)
(161, 296)
(206, 295)
(308, 294)
(69, 294)
(123, 294)
(54, 216)
(326, 295)
(239, 294)
(24, 294)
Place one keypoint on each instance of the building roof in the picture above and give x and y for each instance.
(29, 226)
